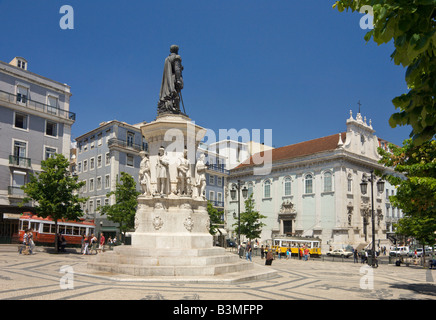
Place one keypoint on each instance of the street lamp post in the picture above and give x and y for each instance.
(233, 195)
(380, 189)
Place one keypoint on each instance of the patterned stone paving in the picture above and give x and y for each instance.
(44, 276)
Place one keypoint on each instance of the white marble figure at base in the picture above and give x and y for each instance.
(184, 175)
(200, 178)
(144, 174)
(162, 173)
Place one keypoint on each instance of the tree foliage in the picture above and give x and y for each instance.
(412, 27)
(416, 193)
(55, 191)
(215, 218)
(251, 226)
(124, 209)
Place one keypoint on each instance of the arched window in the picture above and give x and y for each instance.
(308, 184)
(328, 181)
(287, 186)
(267, 189)
(350, 183)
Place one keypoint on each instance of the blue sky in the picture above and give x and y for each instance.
(296, 67)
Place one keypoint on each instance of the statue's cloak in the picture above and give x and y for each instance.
(168, 87)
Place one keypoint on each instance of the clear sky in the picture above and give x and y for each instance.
(296, 67)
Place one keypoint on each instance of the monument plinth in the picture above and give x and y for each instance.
(171, 236)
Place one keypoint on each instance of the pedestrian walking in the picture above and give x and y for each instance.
(94, 242)
(262, 252)
(248, 251)
(355, 256)
(86, 240)
(102, 242)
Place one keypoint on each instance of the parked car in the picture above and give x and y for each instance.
(399, 251)
(340, 253)
(231, 243)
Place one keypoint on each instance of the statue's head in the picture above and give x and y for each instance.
(161, 151)
(174, 49)
(143, 154)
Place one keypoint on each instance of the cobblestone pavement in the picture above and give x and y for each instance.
(45, 276)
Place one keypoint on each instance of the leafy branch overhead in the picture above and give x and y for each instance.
(412, 27)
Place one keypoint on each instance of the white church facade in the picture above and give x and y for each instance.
(313, 190)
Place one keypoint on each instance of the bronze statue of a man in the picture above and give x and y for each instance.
(172, 83)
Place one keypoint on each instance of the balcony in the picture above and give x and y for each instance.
(114, 142)
(218, 168)
(37, 106)
(20, 162)
(15, 192)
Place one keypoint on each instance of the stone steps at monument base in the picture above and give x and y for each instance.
(159, 260)
(170, 252)
(166, 271)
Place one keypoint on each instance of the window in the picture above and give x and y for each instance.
(85, 165)
(267, 189)
(99, 161)
(130, 138)
(91, 184)
(250, 189)
(22, 94)
(287, 186)
(21, 121)
(91, 164)
(129, 160)
(84, 188)
(52, 105)
(308, 184)
(107, 159)
(107, 181)
(211, 179)
(219, 181)
(49, 152)
(85, 145)
(99, 138)
(20, 149)
(106, 201)
(21, 64)
(51, 129)
(98, 204)
(211, 196)
(98, 183)
(91, 206)
(219, 197)
(79, 167)
(328, 182)
(350, 183)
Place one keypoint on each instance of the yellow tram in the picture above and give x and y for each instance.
(281, 245)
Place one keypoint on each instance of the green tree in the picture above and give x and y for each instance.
(215, 218)
(415, 179)
(55, 191)
(124, 209)
(412, 27)
(251, 226)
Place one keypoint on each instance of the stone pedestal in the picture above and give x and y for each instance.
(171, 237)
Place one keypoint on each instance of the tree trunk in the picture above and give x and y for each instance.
(56, 237)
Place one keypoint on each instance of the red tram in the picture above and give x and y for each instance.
(43, 229)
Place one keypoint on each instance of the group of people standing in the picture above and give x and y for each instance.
(91, 243)
(28, 244)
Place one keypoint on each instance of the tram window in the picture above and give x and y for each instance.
(34, 226)
(46, 228)
(69, 230)
(76, 231)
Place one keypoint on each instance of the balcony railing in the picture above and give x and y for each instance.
(218, 168)
(114, 142)
(15, 191)
(19, 161)
(217, 203)
(31, 104)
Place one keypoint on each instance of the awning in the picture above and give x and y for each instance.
(223, 232)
